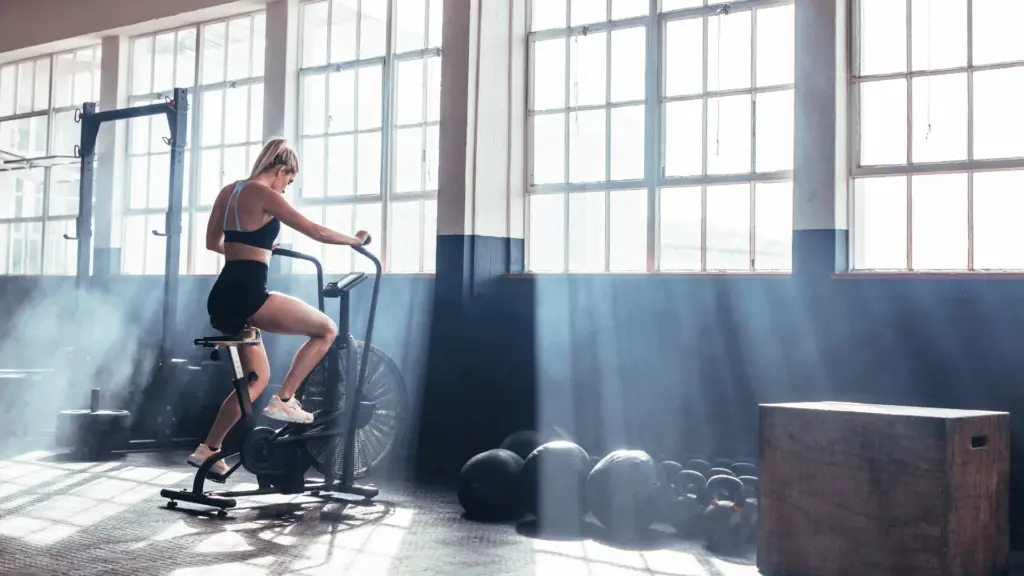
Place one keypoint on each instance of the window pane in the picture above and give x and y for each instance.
(429, 235)
(622, 9)
(61, 254)
(236, 115)
(588, 69)
(63, 81)
(138, 175)
(939, 225)
(998, 115)
(411, 25)
(883, 113)
(8, 85)
(156, 246)
(882, 37)
(26, 77)
(159, 180)
(680, 224)
(133, 247)
(586, 231)
(998, 234)
(684, 145)
(66, 133)
(997, 31)
(314, 34)
(87, 76)
(341, 169)
(239, 47)
(409, 92)
(684, 64)
(185, 75)
(337, 259)
(5, 247)
(667, 5)
(214, 41)
(547, 232)
(433, 161)
(773, 226)
(436, 23)
(628, 227)
(939, 33)
(204, 261)
(368, 170)
(213, 120)
(880, 223)
(344, 20)
(729, 68)
(307, 245)
(629, 63)
(235, 168)
(627, 142)
(64, 190)
(433, 89)
(728, 227)
(256, 113)
(138, 135)
(729, 135)
(259, 43)
(41, 92)
(775, 46)
(587, 146)
(369, 80)
(406, 236)
(408, 159)
(549, 148)
(774, 131)
(342, 106)
(940, 118)
(368, 217)
(372, 28)
(548, 14)
(163, 62)
(142, 65)
(313, 105)
(23, 193)
(549, 74)
(587, 11)
(312, 171)
(210, 177)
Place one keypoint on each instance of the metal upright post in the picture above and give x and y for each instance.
(83, 224)
(177, 118)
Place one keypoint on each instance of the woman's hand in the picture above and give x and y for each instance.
(364, 237)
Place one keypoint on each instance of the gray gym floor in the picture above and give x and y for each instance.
(108, 518)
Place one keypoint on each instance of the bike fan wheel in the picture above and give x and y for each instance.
(374, 442)
(262, 457)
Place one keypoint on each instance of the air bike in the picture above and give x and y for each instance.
(351, 434)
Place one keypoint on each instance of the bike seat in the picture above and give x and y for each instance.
(222, 341)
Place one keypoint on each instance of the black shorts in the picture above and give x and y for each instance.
(240, 291)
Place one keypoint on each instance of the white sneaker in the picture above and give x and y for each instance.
(290, 411)
(220, 468)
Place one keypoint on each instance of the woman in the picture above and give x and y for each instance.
(243, 226)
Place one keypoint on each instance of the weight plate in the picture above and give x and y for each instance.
(262, 457)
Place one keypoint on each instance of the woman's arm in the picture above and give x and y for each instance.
(214, 227)
(275, 205)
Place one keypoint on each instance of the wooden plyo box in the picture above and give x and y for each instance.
(870, 490)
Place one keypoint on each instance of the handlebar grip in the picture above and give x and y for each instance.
(289, 253)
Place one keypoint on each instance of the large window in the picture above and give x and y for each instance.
(671, 153)
(38, 99)
(369, 127)
(221, 63)
(938, 158)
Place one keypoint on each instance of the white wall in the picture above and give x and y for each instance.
(33, 27)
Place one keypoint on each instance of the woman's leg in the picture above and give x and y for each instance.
(283, 314)
(254, 359)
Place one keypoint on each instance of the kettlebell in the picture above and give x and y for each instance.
(722, 463)
(690, 503)
(751, 494)
(720, 472)
(722, 521)
(697, 465)
(671, 470)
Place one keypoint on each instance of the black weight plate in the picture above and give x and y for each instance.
(261, 456)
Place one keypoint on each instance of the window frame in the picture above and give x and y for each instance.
(969, 166)
(388, 62)
(51, 112)
(654, 180)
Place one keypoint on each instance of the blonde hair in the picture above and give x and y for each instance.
(277, 152)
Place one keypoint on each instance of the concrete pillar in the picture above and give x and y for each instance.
(108, 192)
(820, 238)
(481, 182)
